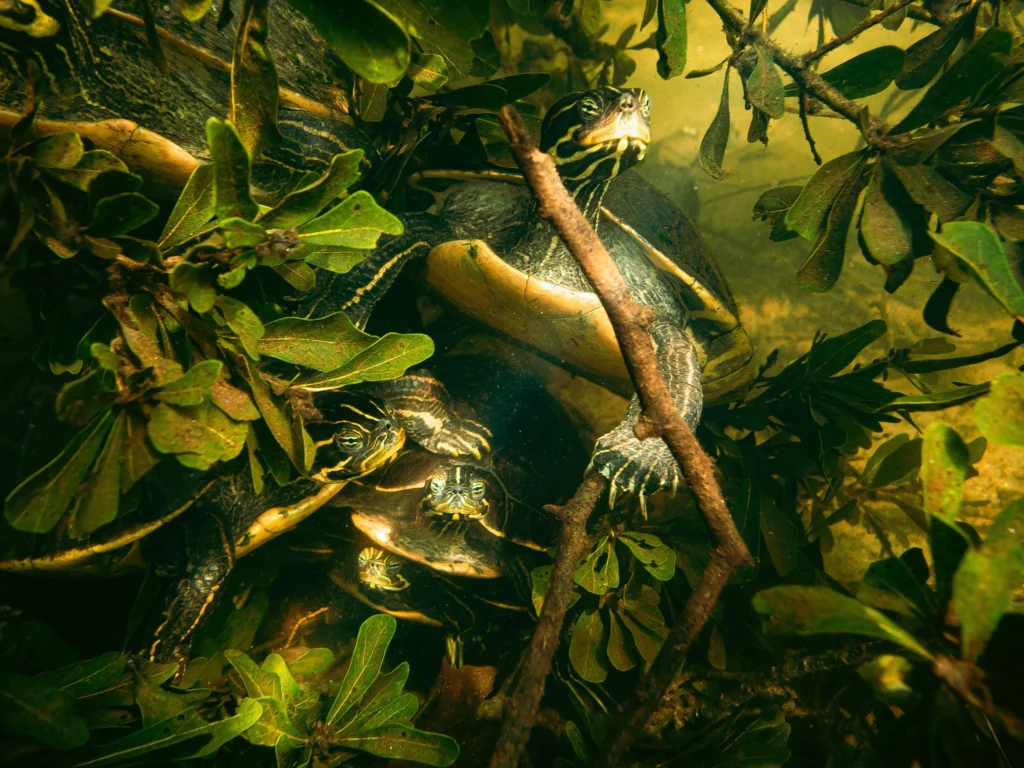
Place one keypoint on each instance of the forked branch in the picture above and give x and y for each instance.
(659, 418)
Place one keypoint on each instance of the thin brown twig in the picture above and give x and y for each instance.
(868, 23)
(915, 12)
(807, 127)
(805, 77)
(659, 418)
(522, 707)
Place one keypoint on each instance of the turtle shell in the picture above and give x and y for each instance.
(571, 326)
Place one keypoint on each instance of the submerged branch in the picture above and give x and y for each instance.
(522, 707)
(865, 25)
(659, 418)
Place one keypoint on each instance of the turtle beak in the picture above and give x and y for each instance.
(625, 124)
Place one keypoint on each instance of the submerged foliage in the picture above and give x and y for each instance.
(179, 333)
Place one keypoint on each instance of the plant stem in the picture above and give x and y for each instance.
(659, 418)
(878, 18)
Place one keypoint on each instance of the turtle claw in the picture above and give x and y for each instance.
(634, 467)
(459, 437)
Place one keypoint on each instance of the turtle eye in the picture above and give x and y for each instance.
(645, 106)
(589, 108)
(349, 443)
(477, 488)
(436, 485)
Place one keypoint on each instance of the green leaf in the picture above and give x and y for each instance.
(940, 399)
(239, 233)
(99, 505)
(428, 70)
(274, 416)
(620, 653)
(402, 742)
(829, 356)
(671, 38)
(199, 436)
(448, 25)
(657, 558)
(772, 207)
(982, 62)
(716, 138)
(38, 709)
(381, 703)
(273, 726)
(930, 189)
(365, 36)
(999, 415)
(192, 211)
(925, 58)
(194, 281)
(899, 584)
(258, 683)
(944, 467)
(825, 262)
(120, 214)
(38, 502)
(85, 677)
(808, 215)
(195, 10)
(887, 232)
(648, 641)
(371, 644)
(322, 344)
(801, 610)
(585, 651)
(92, 164)
(387, 358)
(892, 461)
(297, 274)
(598, 572)
(231, 194)
(204, 738)
(193, 387)
(254, 94)
(980, 248)
(59, 152)
(988, 575)
(309, 661)
(138, 457)
(356, 222)
(863, 75)
(764, 86)
(274, 664)
(243, 322)
(303, 204)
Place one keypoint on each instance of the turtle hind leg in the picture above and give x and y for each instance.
(209, 560)
(642, 467)
(430, 417)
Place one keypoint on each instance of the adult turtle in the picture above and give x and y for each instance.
(490, 254)
(209, 522)
(103, 78)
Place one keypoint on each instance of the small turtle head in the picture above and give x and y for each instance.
(599, 133)
(28, 17)
(457, 492)
(356, 436)
(380, 570)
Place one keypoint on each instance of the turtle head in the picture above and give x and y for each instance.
(457, 492)
(28, 17)
(356, 436)
(380, 570)
(597, 134)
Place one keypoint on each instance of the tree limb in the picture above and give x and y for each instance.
(659, 417)
(843, 39)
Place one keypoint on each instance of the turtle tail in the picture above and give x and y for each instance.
(357, 291)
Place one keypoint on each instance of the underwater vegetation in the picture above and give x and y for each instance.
(333, 433)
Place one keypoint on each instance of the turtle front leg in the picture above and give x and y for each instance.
(210, 557)
(426, 412)
(643, 467)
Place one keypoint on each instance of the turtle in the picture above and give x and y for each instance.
(489, 253)
(458, 514)
(209, 521)
(103, 78)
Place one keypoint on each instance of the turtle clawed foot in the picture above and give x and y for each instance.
(638, 467)
(459, 437)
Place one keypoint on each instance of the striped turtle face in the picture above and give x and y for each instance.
(357, 435)
(27, 16)
(379, 570)
(598, 133)
(456, 492)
